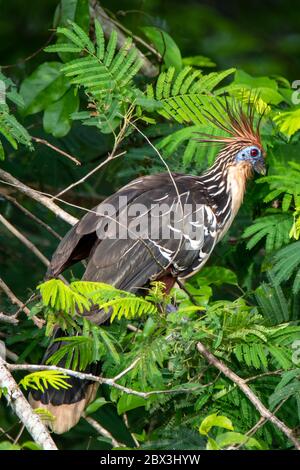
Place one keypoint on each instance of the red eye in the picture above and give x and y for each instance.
(254, 152)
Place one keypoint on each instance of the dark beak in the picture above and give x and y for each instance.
(260, 167)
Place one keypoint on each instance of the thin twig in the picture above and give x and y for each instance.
(31, 56)
(19, 434)
(133, 328)
(33, 297)
(31, 215)
(136, 38)
(15, 301)
(137, 444)
(5, 433)
(260, 423)
(84, 178)
(242, 385)
(264, 374)
(24, 240)
(11, 355)
(191, 297)
(103, 432)
(106, 381)
(111, 156)
(37, 196)
(23, 410)
(128, 369)
(56, 149)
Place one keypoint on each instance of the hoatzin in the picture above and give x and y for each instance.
(131, 262)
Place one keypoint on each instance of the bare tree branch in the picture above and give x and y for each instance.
(137, 38)
(8, 318)
(19, 434)
(33, 194)
(23, 410)
(32, 216)
(242, 385)
(15, 301)
(102, 431)
(94, 170)
(24, 240)
(56, 149)
(137, 444)
(111, 156)
(107, 381)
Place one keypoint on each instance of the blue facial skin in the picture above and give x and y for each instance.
(253, 155)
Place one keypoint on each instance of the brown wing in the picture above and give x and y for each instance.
(81, 239)
(129, 262)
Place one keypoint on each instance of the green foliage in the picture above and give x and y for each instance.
(77, 352)
(227, 439)
(284, 183)
(30, 445)
(105, 73)
(264, 87)
(183, 97)
(288, 121)
(286, 262)
(60, 296)
(288, 386)
(274, 227)
(245, 303)
(82, 295)
(214, 420)
(273, 303)
(10, 128)
(165, 45)
(43, 379)
(43, 87)
(95, 405)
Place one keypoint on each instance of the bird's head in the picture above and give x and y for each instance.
(253, 156)
(242, 146)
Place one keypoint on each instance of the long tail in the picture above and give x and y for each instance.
(65, 405)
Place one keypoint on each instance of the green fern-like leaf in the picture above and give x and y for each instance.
(253, 355)
(105, 73)
(12, 130)
(122, 303)
(59, 296)
(81, 295)
(275, 228)
(129, 307)
(43, 379)
(285, 182)
(77, 352)
(184, 97)
(184, 141)
(286, 263)
(272, 302)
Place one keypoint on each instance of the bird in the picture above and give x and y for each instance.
(161, 227)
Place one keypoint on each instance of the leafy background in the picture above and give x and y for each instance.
(250, 289)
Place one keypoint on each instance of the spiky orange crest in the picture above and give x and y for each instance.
(236, 121)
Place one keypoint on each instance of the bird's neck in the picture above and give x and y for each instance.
(225, 183)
